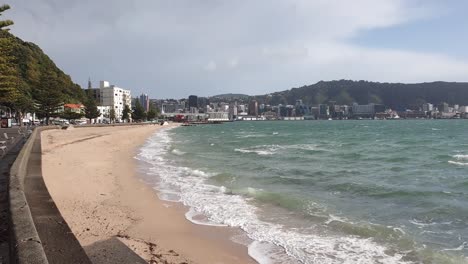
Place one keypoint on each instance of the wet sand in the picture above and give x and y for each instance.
(91, 175)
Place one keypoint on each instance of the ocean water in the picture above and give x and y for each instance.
(362, 191)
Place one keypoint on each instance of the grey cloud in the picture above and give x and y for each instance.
(176, 48)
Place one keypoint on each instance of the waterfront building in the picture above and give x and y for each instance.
(218, 116)
(427, 107)
(203, 102)
(232, 111)
(253, 108)
(193, 101)
(104, 114)
(112, 96)
(172, 108)
(323, 111)
(443, 108)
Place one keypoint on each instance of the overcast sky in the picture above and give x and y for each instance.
(174, 48)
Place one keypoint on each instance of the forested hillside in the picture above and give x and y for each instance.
(29, 79)
(393, 95)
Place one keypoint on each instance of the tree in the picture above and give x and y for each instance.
(48, 96)
(138, 113)
(70, 115)
(112, 115)
(126, 113)
(5, 23)
(152, 113)
(91, 110)
(344, 98)
(9, 80)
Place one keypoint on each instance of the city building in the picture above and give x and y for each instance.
(112, 96)
(253, 108)
(144, 101)
(443, 108)
(105, 114)
(193, 101)
(427, 107)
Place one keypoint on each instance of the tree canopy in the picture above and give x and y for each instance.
(397, 96)
(91, 110)
(25, 74)
(126, 113)
(152, 112)
(138, 113)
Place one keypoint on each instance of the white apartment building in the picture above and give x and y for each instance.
(105, 113)
(111, 97)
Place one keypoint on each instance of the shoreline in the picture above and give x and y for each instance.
(92, 175)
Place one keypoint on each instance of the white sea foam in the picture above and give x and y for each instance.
(274, 242)
(261, 150)
(460, 157)
(191, 215)
(459, 248)
(178, 152)
(458, 163)
(273, 149)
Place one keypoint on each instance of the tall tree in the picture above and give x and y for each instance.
(9, 80)
(138, 113)
(48, 96)
(126, 113)
(70, 115)
(112, 115)
(152, 113)
(91, 110)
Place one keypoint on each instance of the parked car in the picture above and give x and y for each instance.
(60, 122)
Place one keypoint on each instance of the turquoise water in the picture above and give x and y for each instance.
(324, 191)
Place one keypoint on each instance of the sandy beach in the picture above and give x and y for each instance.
(92, 176)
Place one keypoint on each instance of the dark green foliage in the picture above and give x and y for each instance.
(393, 95)
(152, 113)
(126, 113)
(112, 115)
(26, 68)
(48, 98)
(70, 115)
(138, 113)
(91, 110)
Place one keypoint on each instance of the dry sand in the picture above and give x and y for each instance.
(92, 176)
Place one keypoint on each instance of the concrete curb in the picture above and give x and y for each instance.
(28, 246)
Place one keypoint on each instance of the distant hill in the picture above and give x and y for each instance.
(393, 95)
(231, 96)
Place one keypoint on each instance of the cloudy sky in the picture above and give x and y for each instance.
(173, 48)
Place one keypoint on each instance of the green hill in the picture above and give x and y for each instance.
(32, 64)
(393, 95)
(29, 80)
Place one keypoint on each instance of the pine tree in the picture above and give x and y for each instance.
(48, 96)
(126, 113)
(91, 110)
(9, 80)
(112, 115)
(152, 113)
(138, 112)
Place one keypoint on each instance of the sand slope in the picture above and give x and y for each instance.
(91, 175)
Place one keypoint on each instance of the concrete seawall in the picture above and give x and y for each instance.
(40, 233)
(27, 245)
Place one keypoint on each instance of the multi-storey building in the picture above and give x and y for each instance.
(144, 101)
(112, 96)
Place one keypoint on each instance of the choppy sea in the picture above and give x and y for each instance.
(361, 191)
